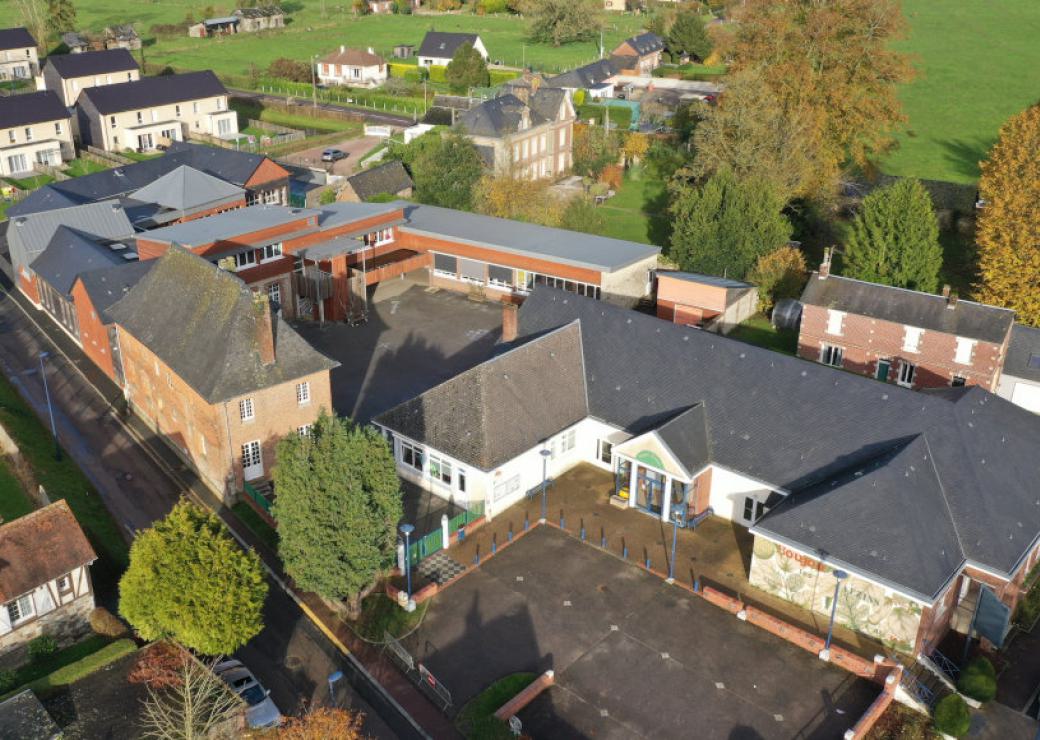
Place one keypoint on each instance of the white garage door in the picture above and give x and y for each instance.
(1027, 396)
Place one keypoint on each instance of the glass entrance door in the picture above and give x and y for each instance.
(649, 491)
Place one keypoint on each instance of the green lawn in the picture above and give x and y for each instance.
(80, 167)
(30, 183)
(255, 522)
(71, 664)
(381, 614)
(13, 501)
(139, 156)
(978, 65)
(476, 720)
(637, 212)
(64, 480)
(757, 330)
(249, 109)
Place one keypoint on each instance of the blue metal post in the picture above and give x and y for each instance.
(839, 576)
(406, 530)
(333, 677)
(50, 408)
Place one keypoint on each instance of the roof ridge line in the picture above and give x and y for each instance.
(942, 492)
(915, 292)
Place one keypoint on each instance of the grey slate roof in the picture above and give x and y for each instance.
(28, 236)
(148, 92)
(69, 254)
(503, 407)
(202, 322)
(15, 38)
(911, 307)
(24, 717)
(502, 116)
(531, 240)
(688, 438)
(186, 188)
(227, 164)
(228, 224)
(444, 45)
(645, 43)
(108, 285)
(589, 75)
(796, 424)
(92, 63)
(30, 108)
(390, 178)
(74, 40)
(1023, 355)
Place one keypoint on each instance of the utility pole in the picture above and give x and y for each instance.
(314, 81)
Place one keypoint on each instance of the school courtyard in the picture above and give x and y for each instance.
(633, 656)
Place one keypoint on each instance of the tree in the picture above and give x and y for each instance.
(894, 239)
(517, 198)
(467, 69)
(338, 505)
(33, 15)
(1009, 224)
(635, 147)
(196, 706)
(778, 274)
(750, 133)
(446, 172)
(283, 68)
(188, 579)
(594, 148)
(322, 723)
(724, 225)
(688, 35)
(559, 22)
(61, 16)
(581, 214)
(836, 61)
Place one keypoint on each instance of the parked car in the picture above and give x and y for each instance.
(261, 712)
(333, 155)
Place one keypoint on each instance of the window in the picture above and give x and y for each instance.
(271, 252)
(245, 259)
(604, 450)
(906, 374)
(112, 121)
(445, 264)
(195, 107)
(524, 148)
(440, 470)
(411, 455)
(965, 349)
(251, 454)
(64, 584)
(376, 238)
(832, 355)
(57, 128)
(177, 111)
(912, 338)
(11, 136)
(506, 488)
(21, 609)
(28, 134)
(245, 409)
(223, 127)
(834, 321)
(140, 117)
(753, 509)
(563, 136)
(501, 276)
(305, 430)
(563, 443)
(461, 478)
(303, 393)
(155, 115)
(958, 381)
(274, 292)
(883, 367)
(220, 104)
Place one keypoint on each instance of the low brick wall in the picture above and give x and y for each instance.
(720, 599)
(878, 707)
(526, 696)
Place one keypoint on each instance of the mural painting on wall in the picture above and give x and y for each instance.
(863, 606)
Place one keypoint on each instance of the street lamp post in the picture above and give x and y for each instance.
(839, 576)
(406, 530)
(333, 677)
(314, 81)
(545, 477)
(50, 408)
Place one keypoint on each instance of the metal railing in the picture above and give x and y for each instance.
(257, 497)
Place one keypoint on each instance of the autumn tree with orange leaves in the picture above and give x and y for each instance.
(1009, 224)
(322, 723)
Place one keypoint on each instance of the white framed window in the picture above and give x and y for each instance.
(563, 443)
(377, 238)
(907, 371)
(64, 584)
(305, 430)
(140, 117)
(245, 409)
(440, 470)
(177, 111)
(57, 128)
(412, 455)
(831, 354)
(12, 137)
(112, 121)
(524, 147)
(753, 509)
(28, 133)
(274, 292)
(604, 450)
(965, 350)
(271, 252)
(21, 609)
(912, 338)
(155, 115)
(460, 480)
(252, 463)
(195, 107)
(245, 259)
(563, 136)
(835, 320)
(303, 393)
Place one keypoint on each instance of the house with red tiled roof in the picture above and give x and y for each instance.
(354, 67)
(45, 586)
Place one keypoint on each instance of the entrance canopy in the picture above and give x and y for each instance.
(679, 446)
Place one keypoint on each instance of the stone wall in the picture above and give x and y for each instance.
(67, 624)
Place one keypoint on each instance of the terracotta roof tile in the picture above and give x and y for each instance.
(40, 547)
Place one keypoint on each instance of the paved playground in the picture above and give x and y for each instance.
(633, 656)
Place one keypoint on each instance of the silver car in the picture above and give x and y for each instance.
(261, 712)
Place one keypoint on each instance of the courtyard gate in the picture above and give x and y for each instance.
(433, 542)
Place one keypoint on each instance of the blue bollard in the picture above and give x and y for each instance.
(509, 536)
(561, 520)
(494, 546)
(603, 542)
(624, 552)
(583, 534)
(696, 585)
(462, 534)
(648, 562)
(526, 523)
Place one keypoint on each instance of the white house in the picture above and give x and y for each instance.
(438, 48)
(45, 584)
(353, 67)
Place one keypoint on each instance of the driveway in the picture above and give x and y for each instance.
(633, 656)
(411, 342)
(355, 148)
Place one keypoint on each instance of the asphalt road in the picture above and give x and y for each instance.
(291, 657)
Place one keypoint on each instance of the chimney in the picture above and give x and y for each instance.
(825, 266)
(371, 50)
(264, 329)
(951, 299)
(342, 49)
(946, 292)
(509, 322)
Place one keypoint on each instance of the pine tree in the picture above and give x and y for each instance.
(723, 226)
(1009, 224)
(61, 16)
(338, 505)
(894, 239)
(467, 69)
(446, 171)
(688, 35)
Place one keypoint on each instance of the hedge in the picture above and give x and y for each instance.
(408, 72)
(978, 680)
(951, 716)
(498, 76)
(438, 73)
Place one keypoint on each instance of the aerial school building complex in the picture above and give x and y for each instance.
(923, 499)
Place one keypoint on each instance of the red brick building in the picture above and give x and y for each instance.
(705, 301)
(913, 339)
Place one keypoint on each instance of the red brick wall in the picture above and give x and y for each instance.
(212, 211)
(28, 286)
(93, 334)
(266, 173)
(865, 340)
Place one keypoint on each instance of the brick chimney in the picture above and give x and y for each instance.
(264, 329)
(951, 298)
(509, 322)
(946, 292)
(342, 49)
(825, 266)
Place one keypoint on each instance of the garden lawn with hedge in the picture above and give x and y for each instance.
(477, 719)
(62, 667)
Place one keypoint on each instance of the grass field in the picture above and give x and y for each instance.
(978, 64)
(13, 501)
(637, 212)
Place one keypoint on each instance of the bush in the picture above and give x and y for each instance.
(408, 72)
(438, 73)
(612, 175)
(778, 274)
(8, 681)
(105, 623)
(498, 76)
(978, 680)
(579, 98)
(951, 716)
(289, 69)
(42, 646)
